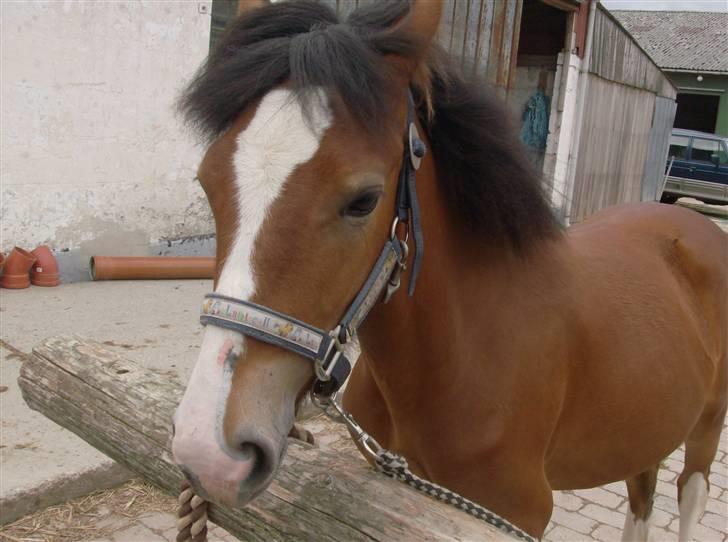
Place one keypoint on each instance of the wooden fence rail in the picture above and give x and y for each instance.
(320, 494)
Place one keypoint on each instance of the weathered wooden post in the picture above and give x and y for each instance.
(124, 410)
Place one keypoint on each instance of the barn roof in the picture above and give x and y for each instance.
(694, 41)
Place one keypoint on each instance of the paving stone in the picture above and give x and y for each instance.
(601, 496)
(718, 480)
(564, 534)
(717, 507)
(715, 521)
(170, 535)
(663, 488)
(607, 533)
(568, 501)
(158, 521)
(112, 522)
(724, 496)
(660, 518)
(658, 534)
(668, 504)
(701, 532)
(620, 488)
(573, 520)
(674, 464)
(603, 515)
(714, 492)
(218, 534)
(666, 475)
(137, 533)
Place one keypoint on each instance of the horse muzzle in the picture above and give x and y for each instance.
(229, 475)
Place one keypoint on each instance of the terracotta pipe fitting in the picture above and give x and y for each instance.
(45, 269)
(151, 267)
(16, 269)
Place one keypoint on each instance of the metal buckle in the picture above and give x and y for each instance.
(395, 278)
(325, 366)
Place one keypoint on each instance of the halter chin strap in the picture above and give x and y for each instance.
(326, 348)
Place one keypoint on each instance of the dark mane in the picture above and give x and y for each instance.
(484, 170)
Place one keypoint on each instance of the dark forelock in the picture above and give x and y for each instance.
(304, 44)
(485, 172)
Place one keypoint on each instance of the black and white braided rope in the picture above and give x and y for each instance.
(395, 466)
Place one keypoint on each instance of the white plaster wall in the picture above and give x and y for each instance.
(92, 148)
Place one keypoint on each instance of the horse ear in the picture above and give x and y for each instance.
(421, 22)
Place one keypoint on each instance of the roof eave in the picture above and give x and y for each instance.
(684, 70)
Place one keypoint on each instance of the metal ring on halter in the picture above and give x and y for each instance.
(393, 231)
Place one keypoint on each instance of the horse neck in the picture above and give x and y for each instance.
(414, 348)
(408, 343)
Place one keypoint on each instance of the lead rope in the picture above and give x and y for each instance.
(192, 511)
(395, 466)
(191, 515)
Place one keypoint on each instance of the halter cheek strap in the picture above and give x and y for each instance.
(326, 349)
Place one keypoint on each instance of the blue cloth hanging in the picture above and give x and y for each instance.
(535, 118)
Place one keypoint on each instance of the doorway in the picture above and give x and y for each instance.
(697, 112)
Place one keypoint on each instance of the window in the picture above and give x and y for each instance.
(704, 148)
(722, 154)
(678, 147)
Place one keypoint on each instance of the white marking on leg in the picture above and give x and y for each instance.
(635, 530)
(278, 139)
(693, 499)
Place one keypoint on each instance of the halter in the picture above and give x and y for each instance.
(326, 348)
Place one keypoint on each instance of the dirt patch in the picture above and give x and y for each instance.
(88, 517)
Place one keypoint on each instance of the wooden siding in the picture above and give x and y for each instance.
(481, 36)
(616, 56)
(662, 121)
(613, 146)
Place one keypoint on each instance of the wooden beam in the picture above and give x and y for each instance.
(564, 5)
(319, 494)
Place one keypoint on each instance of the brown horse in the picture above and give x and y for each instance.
(528, 359)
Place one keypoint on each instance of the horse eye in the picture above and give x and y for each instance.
(363, 205)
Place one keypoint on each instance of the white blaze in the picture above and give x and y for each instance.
(278, 139)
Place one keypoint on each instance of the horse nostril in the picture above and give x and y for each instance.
(249, 451)
(260, 454)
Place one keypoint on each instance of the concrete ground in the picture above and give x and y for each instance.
(153, 322)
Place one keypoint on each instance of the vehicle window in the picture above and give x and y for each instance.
(723, 154)
(703, 148)
(678, 147)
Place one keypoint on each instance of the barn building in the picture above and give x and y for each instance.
(691, 47)
(92, 147)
